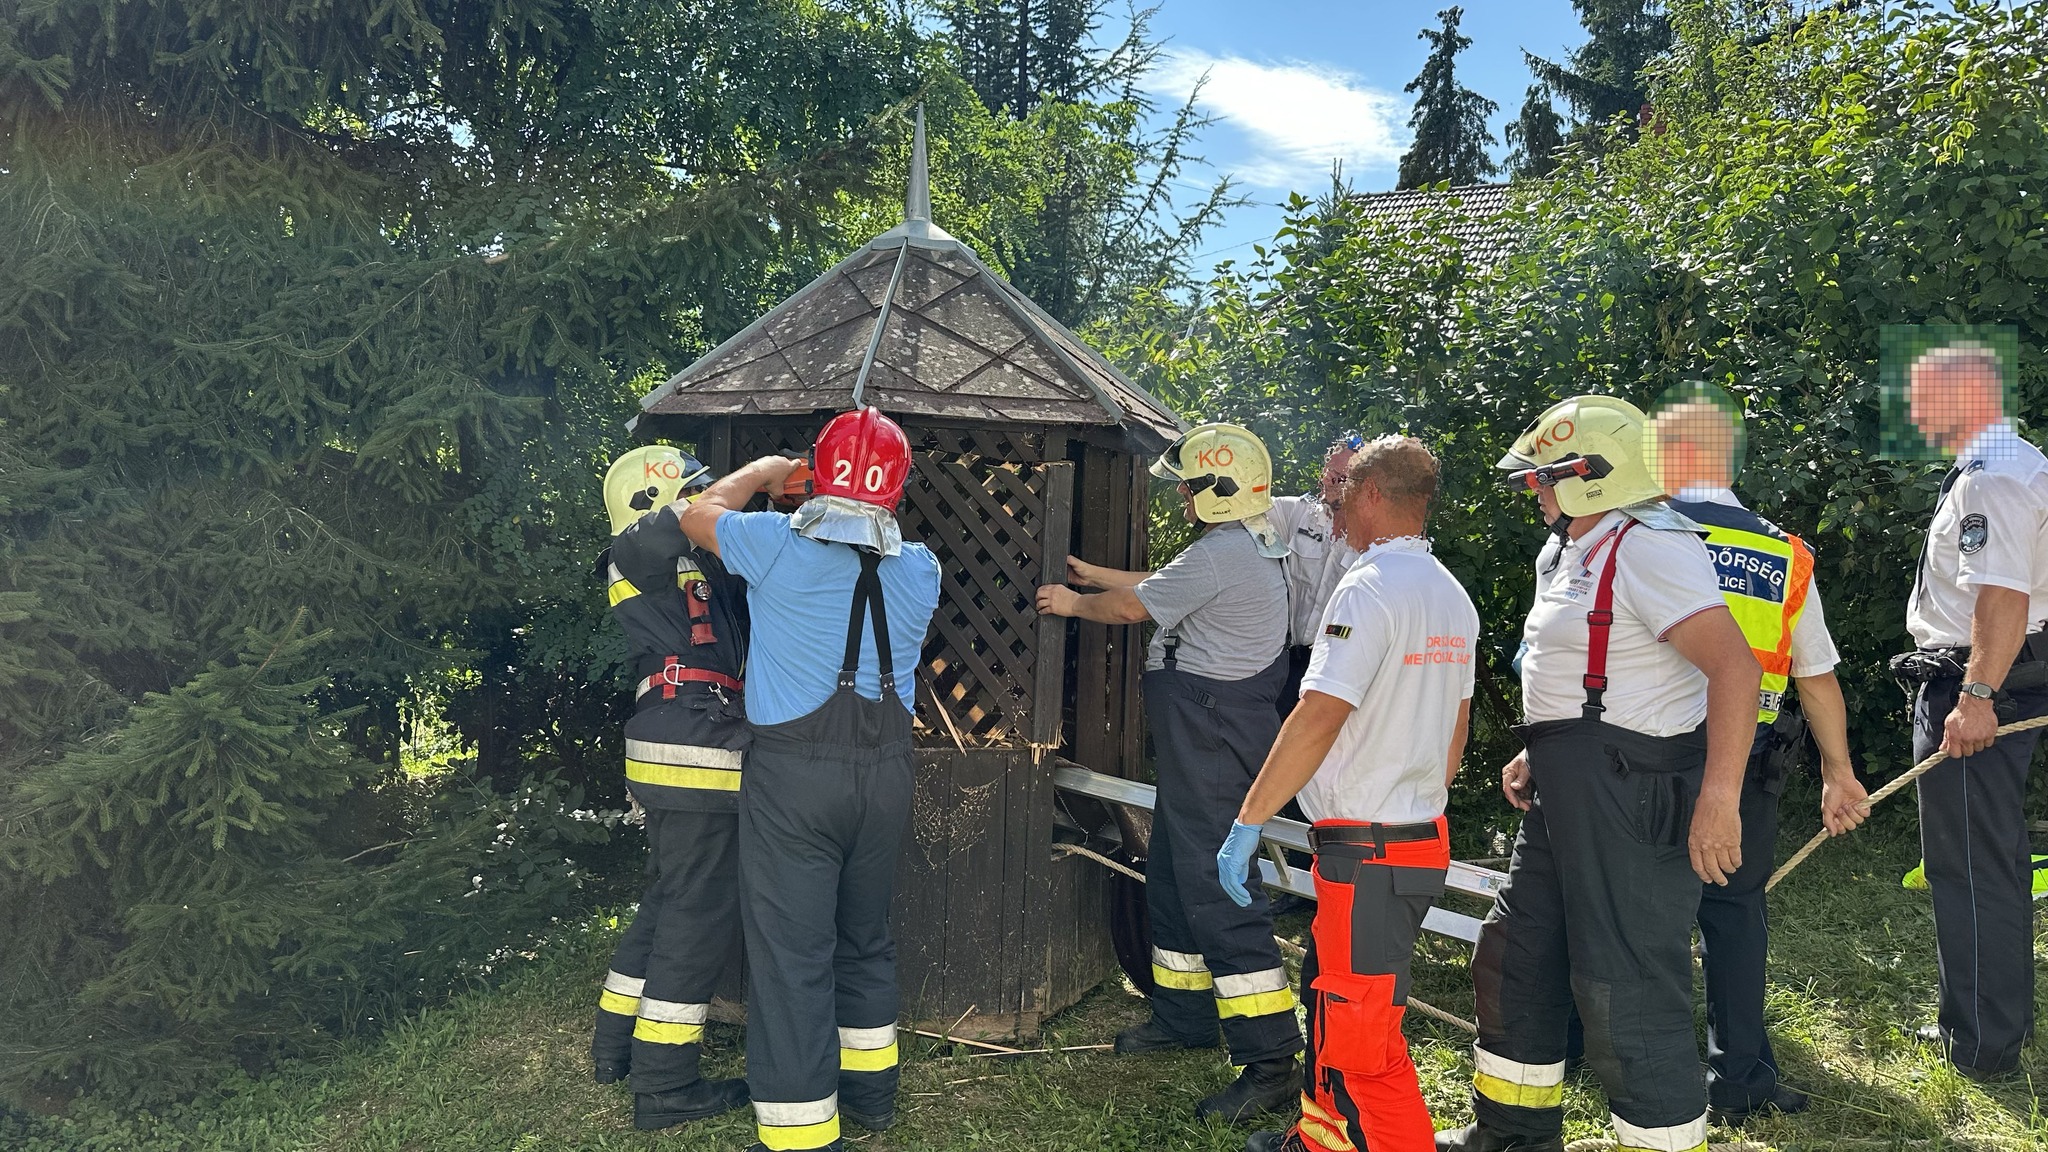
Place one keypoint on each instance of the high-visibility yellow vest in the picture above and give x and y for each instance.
(1765, 574)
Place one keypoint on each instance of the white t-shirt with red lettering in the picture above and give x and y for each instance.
(1397, 643)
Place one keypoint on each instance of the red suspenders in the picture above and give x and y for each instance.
(1600, 622)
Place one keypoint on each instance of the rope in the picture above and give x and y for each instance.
(1099, 858)
(1288, 946)
(1912, 774)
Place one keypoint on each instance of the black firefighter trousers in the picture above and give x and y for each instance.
(1598, 913)
(1211, 959)
(1973, 836)
(657, 996)
(823, 808)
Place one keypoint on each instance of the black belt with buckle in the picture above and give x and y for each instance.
(1949, 662)
(1374, 836)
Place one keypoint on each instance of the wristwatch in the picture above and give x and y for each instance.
(1979, 689)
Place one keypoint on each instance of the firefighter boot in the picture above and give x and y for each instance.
(1265, 1086)
(1478, 1138)
(1152, 1036)
(872, 1121)
(656, 1110)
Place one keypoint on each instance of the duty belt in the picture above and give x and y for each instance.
(1374, 837)
(1925, 665)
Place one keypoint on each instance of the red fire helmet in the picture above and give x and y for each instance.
(862, 455)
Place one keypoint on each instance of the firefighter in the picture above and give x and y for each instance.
(1767, 580)
(1976, 616)
(1317, 557)
(1639, 702)
(840, 604)
(1212, 683)
(684, 618)
(1371, 749)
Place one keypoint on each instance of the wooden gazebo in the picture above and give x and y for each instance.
(1028, 445)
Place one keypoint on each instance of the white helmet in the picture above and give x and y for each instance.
(1225, 466)
(1590, 449)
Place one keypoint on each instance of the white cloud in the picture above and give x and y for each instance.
(1297, 116)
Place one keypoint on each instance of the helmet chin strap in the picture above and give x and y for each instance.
(1561, 527)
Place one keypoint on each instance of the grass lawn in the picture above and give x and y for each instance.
(506, 1070)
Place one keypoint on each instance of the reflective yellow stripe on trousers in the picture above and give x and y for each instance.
(621, 995)
(1183, 970)
(1688, 1137)
(1516, 1084)
(670, 1022)
(1322, 1130)
(867, 1049)
(797, 1127)
(1261, 993)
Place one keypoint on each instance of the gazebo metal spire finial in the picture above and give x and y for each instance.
(917, 200)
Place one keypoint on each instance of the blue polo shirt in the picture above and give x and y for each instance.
(799, 591)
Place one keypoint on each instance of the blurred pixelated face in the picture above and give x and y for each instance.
(1693, 445)
(1952, 398)
(1335, 469)
(1187, 503)
(1546, 499)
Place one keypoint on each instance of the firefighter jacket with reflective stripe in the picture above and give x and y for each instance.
(685, 621)
(1765, 574)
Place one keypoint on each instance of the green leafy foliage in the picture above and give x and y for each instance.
(1858, 171)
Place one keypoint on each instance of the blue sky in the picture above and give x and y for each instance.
(1295, 84)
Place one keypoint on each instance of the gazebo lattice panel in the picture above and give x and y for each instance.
(978, 498)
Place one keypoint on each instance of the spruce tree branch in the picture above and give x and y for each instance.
(297, 619)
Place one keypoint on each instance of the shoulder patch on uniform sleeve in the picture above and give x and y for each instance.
(1975, 530)
(1340, 631)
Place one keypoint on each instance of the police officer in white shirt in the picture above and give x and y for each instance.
(1767, 579)
(1382, 722)
(1639, 697)
(1317, 557)
(1976, 614)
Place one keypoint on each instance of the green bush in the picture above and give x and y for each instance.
(1795, 192)
(191, 892)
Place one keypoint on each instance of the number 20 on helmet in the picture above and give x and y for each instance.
(862, 455)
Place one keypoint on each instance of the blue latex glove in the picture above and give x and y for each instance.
(1234, 861)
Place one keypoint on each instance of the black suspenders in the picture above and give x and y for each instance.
(867, 593)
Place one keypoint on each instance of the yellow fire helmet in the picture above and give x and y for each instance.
(646, 478)
(1590, 448)
(1225, 466)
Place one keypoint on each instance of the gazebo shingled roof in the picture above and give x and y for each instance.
(955, 342)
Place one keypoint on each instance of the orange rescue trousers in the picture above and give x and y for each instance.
(1359, 1088)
